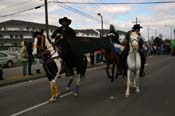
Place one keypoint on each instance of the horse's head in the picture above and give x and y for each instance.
(39, 42)
(122, 39)
(57, 35)
(134, 41)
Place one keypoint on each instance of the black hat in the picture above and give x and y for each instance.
(61, 20)
(136, 26)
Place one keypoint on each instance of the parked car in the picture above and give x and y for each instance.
(14, 51)
(6, 59)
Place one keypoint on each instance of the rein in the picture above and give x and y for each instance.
(42, 47)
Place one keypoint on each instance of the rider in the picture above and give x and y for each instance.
(62, 35)
(136, 28)
(113, 34)
(114, 39)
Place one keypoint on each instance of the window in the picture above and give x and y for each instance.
(11, 37)
(1, 36)
(3, 55)
(16, 36)
(21, 36)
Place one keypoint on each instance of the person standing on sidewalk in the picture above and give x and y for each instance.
(24, 57)
(30, 57)
(1, 73)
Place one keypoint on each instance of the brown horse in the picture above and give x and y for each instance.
(112, 63)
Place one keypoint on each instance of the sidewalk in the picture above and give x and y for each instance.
(17, 76)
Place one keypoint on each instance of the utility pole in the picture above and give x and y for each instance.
(155, 33)
(136, 22)
(148, 33)
(101, 16)
(46, 18)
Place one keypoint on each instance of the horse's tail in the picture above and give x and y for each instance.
(84, 66)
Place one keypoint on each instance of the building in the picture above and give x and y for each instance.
(12, 32)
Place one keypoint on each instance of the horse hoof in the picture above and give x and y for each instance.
(59, 76)
(52, 100)
(126, 96)
(75, 94)
(56, 95)
(67, 89)
(137, 91)
(112, 80)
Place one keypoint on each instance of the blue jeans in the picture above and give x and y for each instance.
(24, 64)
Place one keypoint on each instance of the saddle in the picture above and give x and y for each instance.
(118, 48)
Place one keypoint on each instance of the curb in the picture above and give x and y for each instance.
(16, 80)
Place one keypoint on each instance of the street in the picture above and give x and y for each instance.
(98, 96)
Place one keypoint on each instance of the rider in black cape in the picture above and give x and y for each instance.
(62, 35)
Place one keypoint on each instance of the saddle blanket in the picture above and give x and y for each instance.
(118, 48)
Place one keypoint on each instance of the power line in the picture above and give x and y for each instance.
(74, 10)
(116, 3)
(16, 5)
(18, 12)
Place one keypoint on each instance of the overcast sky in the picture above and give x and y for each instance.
(159, 17)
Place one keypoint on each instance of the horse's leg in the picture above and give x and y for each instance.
(128, 83)
(52, 79)
(77, 86)
(69, 83)
(117, 69)
(137, 81)
(107, 70)
(134, 81)
(58, 64)
(54, 91)
(113, 71)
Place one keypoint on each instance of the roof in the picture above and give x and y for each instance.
(24, 23)
(106, 31)
(86, 31)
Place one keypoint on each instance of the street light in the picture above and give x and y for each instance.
(101, 34)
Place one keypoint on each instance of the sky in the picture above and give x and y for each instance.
(160, 18)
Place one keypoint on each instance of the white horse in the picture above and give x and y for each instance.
(52, 61)
(134, 64)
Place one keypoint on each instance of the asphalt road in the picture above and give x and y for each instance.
(98, 96)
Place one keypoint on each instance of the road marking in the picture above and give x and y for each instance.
(111, 97)
(39, 105)
(66, 94)
(31, 108)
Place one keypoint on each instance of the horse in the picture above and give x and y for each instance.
(133, 63)
(51, 61)
(112, 56)
(112, 61)
(76, 61)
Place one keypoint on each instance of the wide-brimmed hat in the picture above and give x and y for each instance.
(65, 19)
(136, 26)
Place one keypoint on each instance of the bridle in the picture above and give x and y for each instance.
(133, 40)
